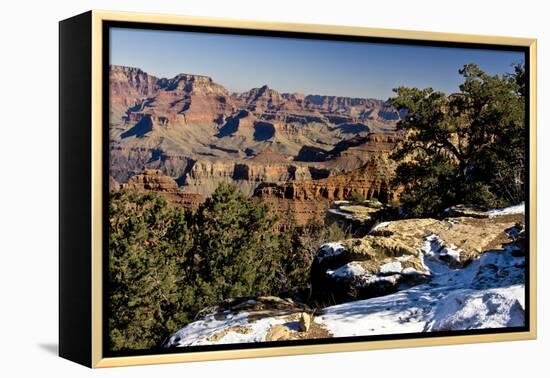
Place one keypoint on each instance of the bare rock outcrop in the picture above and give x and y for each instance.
(250, 319)
(309, 199)
(205, 175)
(395, 254)
(153, 180)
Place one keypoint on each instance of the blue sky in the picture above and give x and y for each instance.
(308, 66)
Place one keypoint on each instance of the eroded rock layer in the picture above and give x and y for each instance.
(153, 180)
(296, 152)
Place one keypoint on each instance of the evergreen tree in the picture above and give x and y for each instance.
(236, 251)
(148, 246)
(166, 264)
(468, 147)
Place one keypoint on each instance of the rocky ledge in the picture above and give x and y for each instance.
(247, 320)
(405, 276)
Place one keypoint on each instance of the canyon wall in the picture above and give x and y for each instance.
(183, 136)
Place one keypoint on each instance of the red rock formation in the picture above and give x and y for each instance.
(153, 180)
(295, 151)
(300, 201)
(127, 86)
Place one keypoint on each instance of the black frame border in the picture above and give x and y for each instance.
(105, 45)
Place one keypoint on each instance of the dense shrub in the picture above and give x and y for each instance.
(468, 147)
(148, 250)
(236, 250)
(167, 263)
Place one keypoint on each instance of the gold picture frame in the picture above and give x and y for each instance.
(82, 276)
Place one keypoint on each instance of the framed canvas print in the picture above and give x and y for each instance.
(235, 189)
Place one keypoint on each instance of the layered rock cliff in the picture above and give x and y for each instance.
(299, 201)
(195, 118)
(205, 176)
(294, 151)
(153, 180)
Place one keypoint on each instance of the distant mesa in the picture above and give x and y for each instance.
(296, 151)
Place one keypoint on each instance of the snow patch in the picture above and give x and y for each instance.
(329, 250)
(436, 248)
(199, 332)
(350, 270)
(392, 267)
(411, 271)
(379, 226)
(371, 279)
(342, 213)
(487, 293)
(517, 209)
(477, 309)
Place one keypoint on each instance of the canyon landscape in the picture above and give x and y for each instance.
(240, 213)
(186, 135)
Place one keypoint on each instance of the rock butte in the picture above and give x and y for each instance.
(294, 151)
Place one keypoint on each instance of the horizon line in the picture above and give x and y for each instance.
(158, 77)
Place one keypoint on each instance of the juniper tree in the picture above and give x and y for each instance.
(468, 147)
(148, 247)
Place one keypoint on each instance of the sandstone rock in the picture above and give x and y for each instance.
(300, 201)
(469, 235)
(393, 255)
(249, 319)
(215, 337)
(205, 175)
(355, 216)
(305, 322)
(152, 179)
(278, 332)
(365, 267)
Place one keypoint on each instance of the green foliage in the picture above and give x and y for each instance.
(468, 147)
(148, 246)
(166, 264)
(236, 249)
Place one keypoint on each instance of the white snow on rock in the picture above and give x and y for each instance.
(234, 328)
(392, 267)
(411, 270)
(477, 309)
(517, 209)
(371, 279)
(353, 270)
(379, 226)
(436, 248)
(329, 250)
(350, 270)
(342, 213)
(488, 293)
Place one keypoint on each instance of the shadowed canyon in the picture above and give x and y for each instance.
(182, 137)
